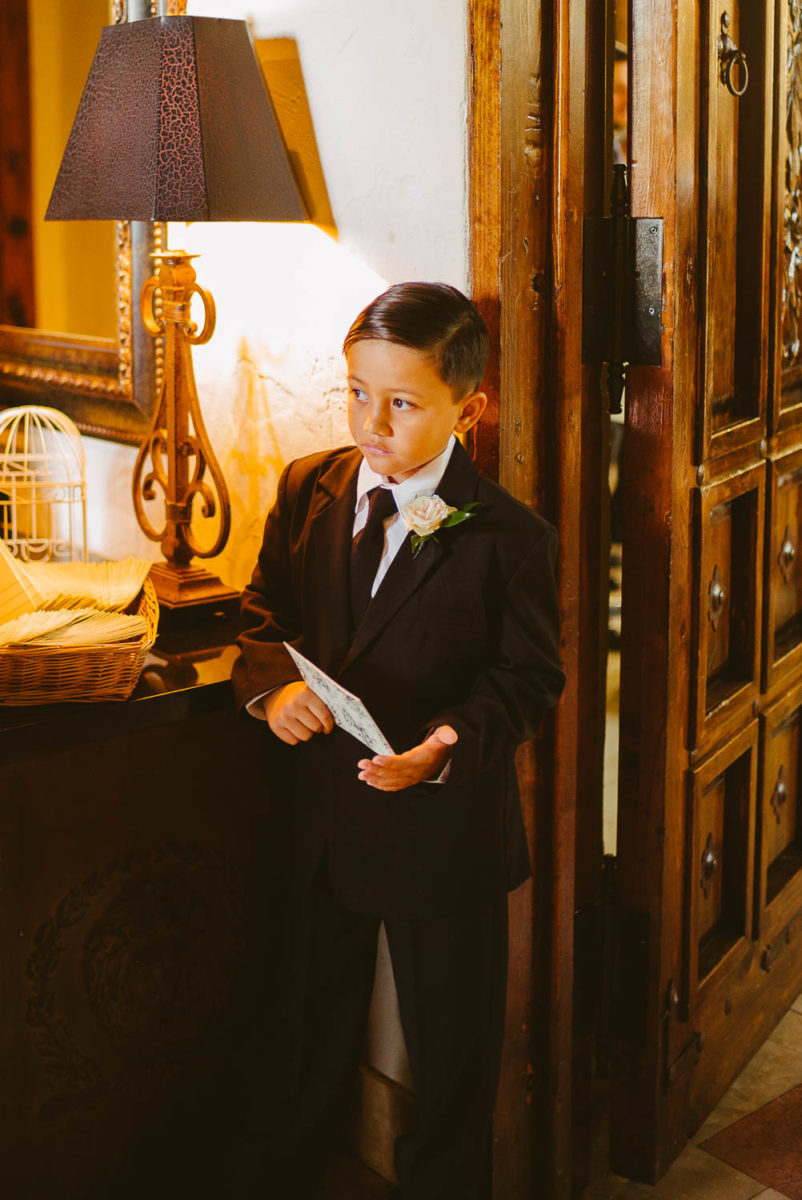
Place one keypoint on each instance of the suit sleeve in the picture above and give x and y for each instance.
(269, 609)
(513, 693)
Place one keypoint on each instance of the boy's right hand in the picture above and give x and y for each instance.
(295, 714)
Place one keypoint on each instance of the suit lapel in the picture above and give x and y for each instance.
(406, 573)
(330, 534)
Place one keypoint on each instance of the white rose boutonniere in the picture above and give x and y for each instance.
(424, 516)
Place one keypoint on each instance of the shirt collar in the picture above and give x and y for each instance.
(424, 482)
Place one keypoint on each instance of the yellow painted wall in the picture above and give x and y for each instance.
(74, 260)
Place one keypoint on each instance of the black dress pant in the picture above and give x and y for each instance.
(450, 974)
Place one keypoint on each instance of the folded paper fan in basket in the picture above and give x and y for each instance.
(64, 634)
(110, 586)
(71, 627)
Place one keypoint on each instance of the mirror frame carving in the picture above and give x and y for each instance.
(108, 387)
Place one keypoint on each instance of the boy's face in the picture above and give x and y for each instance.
(400, 412)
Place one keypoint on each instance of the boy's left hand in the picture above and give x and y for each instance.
(393, 772)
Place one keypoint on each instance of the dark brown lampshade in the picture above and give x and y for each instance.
(176, 124)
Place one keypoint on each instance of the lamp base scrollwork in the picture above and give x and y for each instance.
(176, 462)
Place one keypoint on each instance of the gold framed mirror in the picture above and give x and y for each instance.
(105, 380)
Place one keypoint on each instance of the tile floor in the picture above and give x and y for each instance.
(697, 1175)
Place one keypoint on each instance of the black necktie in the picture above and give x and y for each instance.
(366, 550)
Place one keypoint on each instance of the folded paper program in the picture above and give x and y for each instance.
(347, 709)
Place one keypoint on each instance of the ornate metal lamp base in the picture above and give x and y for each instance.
(191, 588)
(176, 457)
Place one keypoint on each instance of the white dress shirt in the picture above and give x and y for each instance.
(424, 482)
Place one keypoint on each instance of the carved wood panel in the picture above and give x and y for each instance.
(735, 233)
(715, 914)
(780, 852)
(134, 943)
(719, 869)
(729, 525)
(787, 399)
(783, 573)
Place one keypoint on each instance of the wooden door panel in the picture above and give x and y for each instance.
(719, 869)
(711, 920)
(787, 256)
(783, 572)
(780, 853)
(728, 596)
(734, 227)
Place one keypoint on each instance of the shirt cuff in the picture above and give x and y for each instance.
(444, 774)
(256, 706)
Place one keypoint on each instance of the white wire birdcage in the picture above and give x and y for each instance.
(42, 485)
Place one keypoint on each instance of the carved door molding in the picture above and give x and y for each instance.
(710, 856)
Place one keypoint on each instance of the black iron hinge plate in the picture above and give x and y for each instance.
(622, 286)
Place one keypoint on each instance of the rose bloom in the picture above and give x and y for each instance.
(426, 514)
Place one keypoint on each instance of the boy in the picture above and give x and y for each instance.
(447, 630)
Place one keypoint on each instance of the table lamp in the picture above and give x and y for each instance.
(176, 124)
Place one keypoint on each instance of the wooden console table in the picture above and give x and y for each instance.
(135, 886)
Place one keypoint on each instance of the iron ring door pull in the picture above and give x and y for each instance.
(730, 57)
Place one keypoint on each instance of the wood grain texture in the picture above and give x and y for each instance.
(705, 974)
(528, 178)
(536, 1113)
(507, 37)
(580, 433)
(593, 597)
(655, 587)
(16, 243)
(484, 207)
(528, 268)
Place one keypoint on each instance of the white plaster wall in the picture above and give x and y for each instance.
(386, 82)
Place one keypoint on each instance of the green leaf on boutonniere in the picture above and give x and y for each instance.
(419, 542)
(459, 515)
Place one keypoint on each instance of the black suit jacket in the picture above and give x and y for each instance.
(464, 633)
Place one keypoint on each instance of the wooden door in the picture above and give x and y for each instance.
(536, 169)
(709, 824)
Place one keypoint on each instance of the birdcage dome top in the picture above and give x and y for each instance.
(42, 484)
(42, 444)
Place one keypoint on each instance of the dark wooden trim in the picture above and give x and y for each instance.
(593, 162)
(526, 208)
(484, 206)
(647, 1130)
(16, 243)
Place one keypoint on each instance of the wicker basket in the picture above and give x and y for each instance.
(42, 675)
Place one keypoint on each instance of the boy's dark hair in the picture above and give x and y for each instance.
(434, 318)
